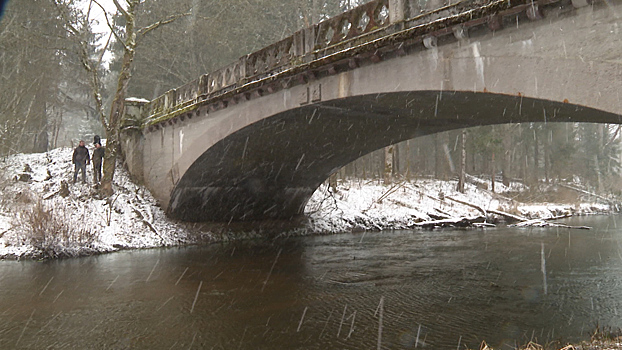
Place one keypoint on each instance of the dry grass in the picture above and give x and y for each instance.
(51, 233)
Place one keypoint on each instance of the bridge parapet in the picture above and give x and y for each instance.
(357, 30)
(358, 21)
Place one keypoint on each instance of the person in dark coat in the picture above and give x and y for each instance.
(98, 158)
(80, 158)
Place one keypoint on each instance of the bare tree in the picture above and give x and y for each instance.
(128, 36)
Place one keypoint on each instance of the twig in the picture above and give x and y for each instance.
(153, 26)
(142, 217)
(51, 195)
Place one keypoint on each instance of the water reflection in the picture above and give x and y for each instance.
(438, 289)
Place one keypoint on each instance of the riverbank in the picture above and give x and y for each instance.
(372, 205)
(44, 215)
(594, 344)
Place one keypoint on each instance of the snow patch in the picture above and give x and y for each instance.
(136, 99)
(371, 205)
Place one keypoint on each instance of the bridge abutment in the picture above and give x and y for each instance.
(132, 137)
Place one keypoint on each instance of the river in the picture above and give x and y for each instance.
(402, 289)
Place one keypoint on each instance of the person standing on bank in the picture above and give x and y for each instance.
(98, 157)
(80, 158)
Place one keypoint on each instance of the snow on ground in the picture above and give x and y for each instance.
(371, 205)
(130, 219)
(85, 223)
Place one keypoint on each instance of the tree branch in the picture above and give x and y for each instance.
(101, 57)
(120, 8)
(116, 35)
(143, 31)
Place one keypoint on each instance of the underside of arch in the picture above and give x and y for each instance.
(270, 169)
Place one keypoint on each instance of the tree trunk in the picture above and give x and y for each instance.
(462, 162)
(408, 156)
(547, 154)
(388, 164)
(396, 160)
(492, 171)
(536, 154)
(118, 104)
(332, 182)
(506, 161)
(315, 12)
(442, 168)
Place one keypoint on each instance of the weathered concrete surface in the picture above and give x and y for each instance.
(264, 158)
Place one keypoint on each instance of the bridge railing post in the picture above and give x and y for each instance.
(169, 100)
(309, 38)
(299, 43)
(397, 11)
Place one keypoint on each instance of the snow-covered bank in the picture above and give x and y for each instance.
(371, 205)
(39, 219)
(84, 222)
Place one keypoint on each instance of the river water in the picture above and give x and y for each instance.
(402, 289)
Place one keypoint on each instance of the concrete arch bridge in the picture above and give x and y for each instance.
(255, 139)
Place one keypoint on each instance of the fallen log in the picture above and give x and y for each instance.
(468, 205)
(452, 222)
(512, 217)
(543, 223)
(585, 192)
(438, 217)
(559, 217)
(51, 195)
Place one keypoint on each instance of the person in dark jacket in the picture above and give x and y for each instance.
(80, 158)
(98, 157)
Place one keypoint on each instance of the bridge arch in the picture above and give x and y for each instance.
(270, 168)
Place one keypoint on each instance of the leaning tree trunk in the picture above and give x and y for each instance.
(118, 104)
